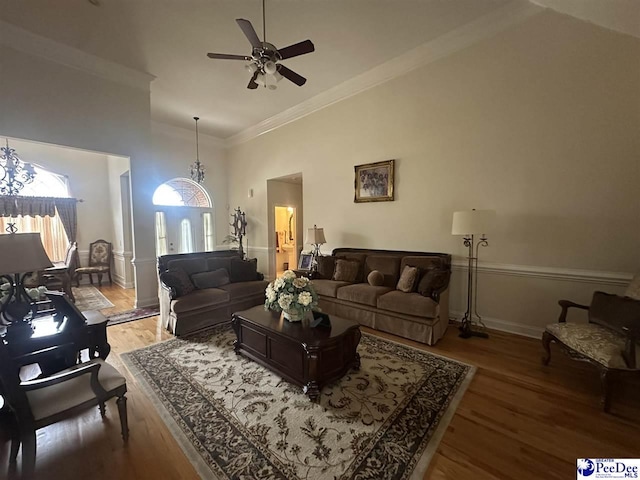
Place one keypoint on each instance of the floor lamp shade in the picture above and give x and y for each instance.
(22, 253)
(470, 222)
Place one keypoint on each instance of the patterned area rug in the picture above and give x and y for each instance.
(236, 419)
(131, 315)
(89, 297)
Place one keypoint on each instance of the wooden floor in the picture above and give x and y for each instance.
(517, 420)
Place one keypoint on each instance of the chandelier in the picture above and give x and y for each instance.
(196, 168)
(15, 173)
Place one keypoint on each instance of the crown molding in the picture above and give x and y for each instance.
(37, 45)
(619, 279)
(479, 29)
(159, 128)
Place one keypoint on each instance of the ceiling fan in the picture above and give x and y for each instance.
(263, 62)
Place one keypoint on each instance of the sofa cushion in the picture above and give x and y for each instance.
(198, 299)
(215, 263)
(327, 288)
(375, 278)
(179, 280)
(593, 341)
(215, 278)
(362, 293)
(326, 267)
(432, 280)
(189, 265)
(245, 289)
(388, 265)
(408, 279)
(408, 303)
(346, 270)
(355, 257)
(243, 270)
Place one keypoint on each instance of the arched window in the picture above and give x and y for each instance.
(181, 192)
(46, 184)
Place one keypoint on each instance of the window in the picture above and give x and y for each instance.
(161, 234)
(209, 240)
(186, 237)
(181, 192)
(54, 238)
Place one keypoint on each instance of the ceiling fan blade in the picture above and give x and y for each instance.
(291, 75)
(252, 83)
(296, 49)
(227, 56)
(249, 32)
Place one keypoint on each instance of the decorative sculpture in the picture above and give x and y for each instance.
(239, 224)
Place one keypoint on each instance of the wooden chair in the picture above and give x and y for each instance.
(609, 340)
(60, 276)
(44, 401)
(100, 254)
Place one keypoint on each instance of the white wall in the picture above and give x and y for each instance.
(539, 123)
(120, 201)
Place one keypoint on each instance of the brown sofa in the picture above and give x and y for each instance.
(417, 316)
(198, 290)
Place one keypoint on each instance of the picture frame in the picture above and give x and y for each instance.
(305, 261)
(374, 182)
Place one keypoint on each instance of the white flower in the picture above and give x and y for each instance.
(305, 298)
(285, 300)
(300, 282)
(278, 284)
(288, 275)
(271, 294)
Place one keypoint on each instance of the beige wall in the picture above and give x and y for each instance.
(539, 123)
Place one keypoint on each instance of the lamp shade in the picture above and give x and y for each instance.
(315, 236)
(22, 253)
(469, 222)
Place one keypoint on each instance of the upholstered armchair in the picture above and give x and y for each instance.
(100, 254)
(610, 339)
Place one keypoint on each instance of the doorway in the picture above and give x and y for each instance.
(286, 239)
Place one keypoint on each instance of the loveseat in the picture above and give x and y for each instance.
(365, 286)
(198, 290)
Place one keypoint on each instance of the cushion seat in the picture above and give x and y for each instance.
(593, 341)
(362, 293)
(96, 269)
(409, 304)
(197, 299)
(328, 288)
(244, 289)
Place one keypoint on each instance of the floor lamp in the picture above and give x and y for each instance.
(471, 223)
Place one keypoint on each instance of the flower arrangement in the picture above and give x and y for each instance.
(292, 295)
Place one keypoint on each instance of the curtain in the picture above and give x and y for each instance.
(68, 214)
(54, 238)
(27, 206)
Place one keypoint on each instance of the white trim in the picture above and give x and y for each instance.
(144, 261)
(620, 279)
(37, 45)
(462, 37)
(147, 302)
(159, 128)
(505, 326)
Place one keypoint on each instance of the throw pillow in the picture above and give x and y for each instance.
(407, 280)
(213, 279)
(179, 280)
(326, 267)
(432, 281)
(346, 270)
(375, 278)
(243, 270)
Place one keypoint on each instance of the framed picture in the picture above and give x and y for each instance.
(305, 261)
(374, 182)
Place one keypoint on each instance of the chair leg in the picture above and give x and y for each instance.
(91, 278)
(605, 380)
(99, 279)
(28, 441)
(15, 446)
(103, 409)
(124, 422)
(546, 344)
(78, 275)
(110, 281)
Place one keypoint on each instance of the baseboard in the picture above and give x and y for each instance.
(147, 302)
(506, 326)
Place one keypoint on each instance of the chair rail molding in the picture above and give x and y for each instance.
(37, 45)
(620, 279)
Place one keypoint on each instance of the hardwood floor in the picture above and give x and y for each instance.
(517, 420)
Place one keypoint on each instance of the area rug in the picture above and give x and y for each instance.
(89, 297)
(236, 419)
(131, 315)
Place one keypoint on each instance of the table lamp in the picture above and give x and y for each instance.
(315, 237)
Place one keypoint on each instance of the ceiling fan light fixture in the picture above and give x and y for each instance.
(251, 67)
(277, 77)
(270, 67)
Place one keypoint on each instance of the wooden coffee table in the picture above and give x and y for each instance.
(305, 356)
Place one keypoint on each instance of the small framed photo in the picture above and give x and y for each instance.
(374, 182)
(305, 262)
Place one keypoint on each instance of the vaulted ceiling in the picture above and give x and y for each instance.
(170, 40)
